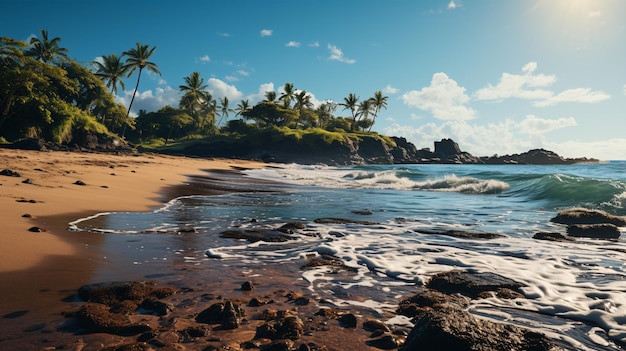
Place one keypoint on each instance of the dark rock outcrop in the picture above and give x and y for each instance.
(594, 231)
(462, 234)
(452, 328)
(226, 314)
(587, 216)
(471, 284)
(553, 236)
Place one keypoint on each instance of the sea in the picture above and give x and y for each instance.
(575, 292)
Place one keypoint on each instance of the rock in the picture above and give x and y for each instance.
(446, 148)
(159, 308)
(342, 221)
(462, 234)
(551, 236)
(136, 346)
(97, 318)
(254, 235)
(387, 342)
(36, 230)
(586, 216)
(347, 320)
(278, 345)
(10, 173)
(374, 324)
(116, 292)
(27, 181)
(247, 286)
(470, 284)
(364, 212)
(456, 329)
(79, 182)
(284, 328)
(594, 231)
(227, 314)
(425, 300)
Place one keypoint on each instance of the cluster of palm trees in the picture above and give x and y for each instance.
(111, 69)
(197, 101)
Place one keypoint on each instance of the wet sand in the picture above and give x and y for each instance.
(39, 270)
(46, 196)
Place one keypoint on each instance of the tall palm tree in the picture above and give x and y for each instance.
(111, 70)
(46, 50)
(137, 58)
(223, 108)
(287, 95)
(379, 102)
(270, 96)
(242, 107)
(351, 103)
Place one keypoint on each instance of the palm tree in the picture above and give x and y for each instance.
(303, 101)
(365, 108)
(325, 112)
(350, 102)
(242, 107)
(270, 96)
(46, 50)
(138, 59)
(287, 95)
(193, 92)
(379, 102)
(111, 70)
(223, 108)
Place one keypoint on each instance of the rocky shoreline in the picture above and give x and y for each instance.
(256, 314)
(350, 152)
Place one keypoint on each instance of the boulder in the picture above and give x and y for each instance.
(283, 328)
(97, 318)
(452, 328)
(470, 284)
(227, 314)
(594, 231)
(587, 216)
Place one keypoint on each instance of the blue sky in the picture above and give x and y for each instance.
(497, 76)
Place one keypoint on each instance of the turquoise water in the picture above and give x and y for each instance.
(575, 292)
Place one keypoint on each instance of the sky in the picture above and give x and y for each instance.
(497, 76)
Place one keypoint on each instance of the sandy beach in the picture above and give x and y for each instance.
(47, 187)
(36, 266)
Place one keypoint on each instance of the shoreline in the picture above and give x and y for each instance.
(56, 258)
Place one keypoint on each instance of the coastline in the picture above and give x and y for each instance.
(56, 258)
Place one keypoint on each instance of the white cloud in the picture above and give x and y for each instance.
(231, 78)
(315, 44)
(524, 86)
(223, 34)
(337, 55)
(205, 58)
(530, 86)
(293, 44)
(260, 94)
(444, 98)
(581, 95)
(451, 5)
(390, 90)
(150, 100)
(624, 89)
(266, 32)
(535, 125)
(219, 89)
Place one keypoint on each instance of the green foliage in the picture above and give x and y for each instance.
(166, 123)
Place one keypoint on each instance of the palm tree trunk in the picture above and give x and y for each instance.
(132, 99)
